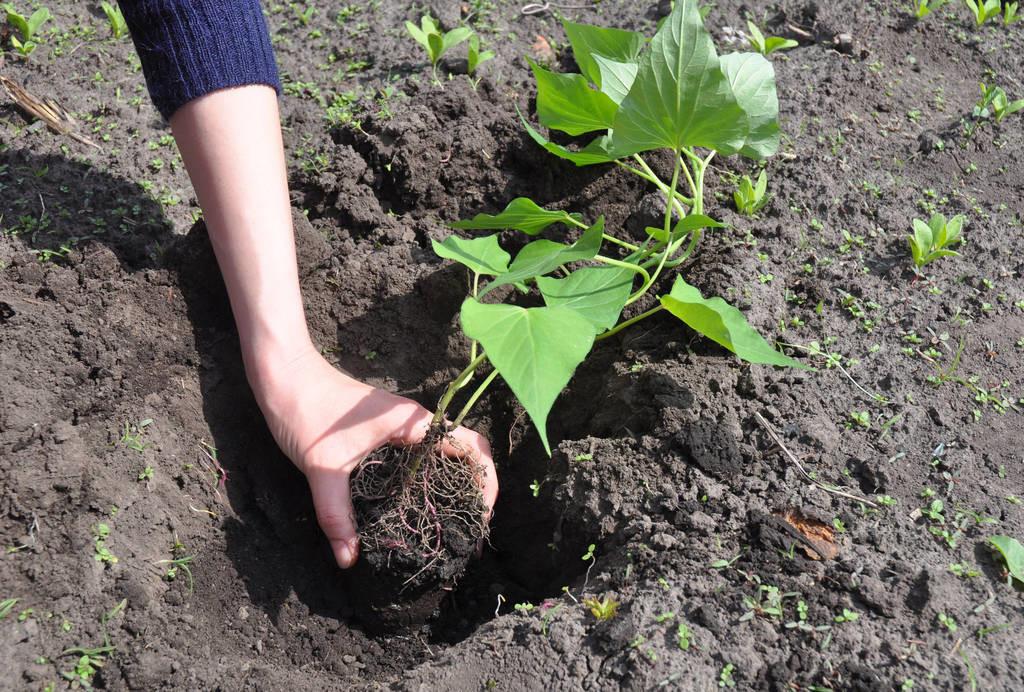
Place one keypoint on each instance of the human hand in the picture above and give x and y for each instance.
(326, 422)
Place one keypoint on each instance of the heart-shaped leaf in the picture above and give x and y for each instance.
(588, 41)
(724, 324)
(536, 350)
(481, 255)
(597, 294)
(543, 256)
(521, 214)
(752, 79)
(566, 102)
(616, 77)
(680, 97)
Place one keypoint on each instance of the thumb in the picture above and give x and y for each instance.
(333, 501)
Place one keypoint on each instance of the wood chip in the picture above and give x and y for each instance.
(818, 540)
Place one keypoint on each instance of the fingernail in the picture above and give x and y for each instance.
(345, 555)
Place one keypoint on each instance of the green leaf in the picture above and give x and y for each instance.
(435, 42)
(544, 256)
(19, 23)
(418, 34)
(38, 18)
(954, 229)
(616, 77)
(724, 324)
(680, 97)
(595, 152)
(688, 223)
(1012, 552)
(521, 214)
(536, 351)
(597, 294)
(752, 79)
(455, 37)
(481, 255)
(774, 43)
(922, 235)
(615, 44)
(566, 102)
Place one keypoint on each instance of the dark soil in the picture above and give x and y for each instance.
(695, 515)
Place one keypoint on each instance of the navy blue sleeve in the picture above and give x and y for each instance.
(189, 48)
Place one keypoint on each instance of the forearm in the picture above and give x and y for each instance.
(230, 142)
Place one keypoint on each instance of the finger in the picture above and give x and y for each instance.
(333, 501)
(475, 447)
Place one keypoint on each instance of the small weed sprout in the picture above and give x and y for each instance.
(725, 677)
(846, 616)
(995, 104)
(6, 606)
(102, 554)
(923, 8)
(603, 609)
(766, 45)
(932, 240)
(751, 198)
(947, 621)
(983, 10)
(428, 34)
(27, 27)
(683, 636)
(115, 19)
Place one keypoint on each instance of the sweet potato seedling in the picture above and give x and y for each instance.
(27, 27)
(476, 57)
(766, 45)
(932, 240)
(429, 35)
(672, 94)
(1011, 13)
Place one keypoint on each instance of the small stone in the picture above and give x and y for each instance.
(663, 541)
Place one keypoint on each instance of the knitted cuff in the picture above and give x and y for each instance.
(189, 48)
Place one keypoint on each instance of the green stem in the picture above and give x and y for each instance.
(649, 175)
(628, 323)
(476, 290)
(458, 383)
(606, 236)
(625, 265)
(473, 399)
(668, 229)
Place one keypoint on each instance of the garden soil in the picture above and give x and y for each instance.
(683, 467)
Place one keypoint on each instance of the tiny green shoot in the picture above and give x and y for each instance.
(115, 19)
(983, 10)
(429, 35)
(27, 27)
(751, 197)
(766, 45)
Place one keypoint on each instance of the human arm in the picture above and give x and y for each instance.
(230, 141)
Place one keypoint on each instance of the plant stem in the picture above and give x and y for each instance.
(473, 399)
(668, 230)
(458, 383)
(635, 268)
(606, 236)
(476, 290)
(630, 322)
(650, 176)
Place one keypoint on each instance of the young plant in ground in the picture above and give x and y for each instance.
(749, 197)
(766, 45)
(922, 8)
(671, 94)
(932, 240)
(983, 10)
(476, 57)
(429, 35)
(1011, 13)
(995, 104)
(27, 27)
(115, 19)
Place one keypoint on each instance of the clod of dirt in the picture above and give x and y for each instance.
(422, 517)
